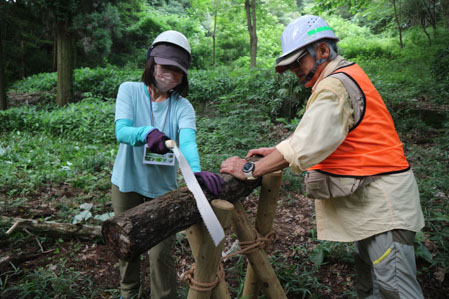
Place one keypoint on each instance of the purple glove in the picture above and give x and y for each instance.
(211, 181)
(156, 142)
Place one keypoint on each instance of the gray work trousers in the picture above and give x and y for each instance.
(162, 264)
(386, 267)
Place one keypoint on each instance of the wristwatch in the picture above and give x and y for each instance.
(248, 169)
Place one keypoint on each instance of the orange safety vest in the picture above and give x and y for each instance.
(372, 146)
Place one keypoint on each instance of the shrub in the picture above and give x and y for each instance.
(100, 82)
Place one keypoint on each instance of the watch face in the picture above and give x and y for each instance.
(248, 167)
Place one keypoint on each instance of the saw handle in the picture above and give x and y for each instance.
(170, 143)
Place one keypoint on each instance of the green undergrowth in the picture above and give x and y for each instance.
(42, 146)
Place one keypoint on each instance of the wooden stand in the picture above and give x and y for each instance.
(260, 274)
(257, 258)
(207, 256)
(266, 210)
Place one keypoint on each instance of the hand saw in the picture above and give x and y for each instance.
(206, 212)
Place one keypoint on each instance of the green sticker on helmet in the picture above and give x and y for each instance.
(319, 29)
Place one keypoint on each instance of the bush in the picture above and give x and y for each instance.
(90, 120)
(273, 95)
(440, 65)
(100, 82)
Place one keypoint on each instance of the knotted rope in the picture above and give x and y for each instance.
(202, 286)
(263, 242)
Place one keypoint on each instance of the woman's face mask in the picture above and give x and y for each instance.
(167, 77)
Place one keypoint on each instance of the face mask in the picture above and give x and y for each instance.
(165, 79)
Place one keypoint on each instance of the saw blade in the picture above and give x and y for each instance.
(209, 218)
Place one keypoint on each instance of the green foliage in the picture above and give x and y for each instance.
(97, 82)
(103, 82)
(237, 109)
(29, 161)
(54, 281)
(272, 94)
(440, 65)
(76, 121)
(98, 29)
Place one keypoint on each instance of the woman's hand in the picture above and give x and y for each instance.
(209, 180)
(156, 142)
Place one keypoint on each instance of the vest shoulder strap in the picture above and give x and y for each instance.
(355, 94)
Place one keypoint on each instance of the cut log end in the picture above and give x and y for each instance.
(114, 234)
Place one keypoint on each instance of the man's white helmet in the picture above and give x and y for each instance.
(173, 37)
(300, 33)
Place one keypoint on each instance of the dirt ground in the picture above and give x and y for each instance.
(98, 267)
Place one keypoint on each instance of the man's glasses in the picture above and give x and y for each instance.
(295, 64)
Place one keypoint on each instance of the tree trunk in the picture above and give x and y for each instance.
(431, 15)
(214, 35)
(55, 55)
(445, 11)
(396, 17)
(423, 25)
(251, 22)
(422, 17)
(22, 58)
(137, 230)
(65, 66)
(53, 228)
(3, 99)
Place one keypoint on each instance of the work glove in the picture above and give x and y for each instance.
(156, 142)
(211, 181)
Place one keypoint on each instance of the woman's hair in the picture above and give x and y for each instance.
(148, 78)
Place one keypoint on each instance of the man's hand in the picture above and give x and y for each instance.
(263, 151)
(234, 166)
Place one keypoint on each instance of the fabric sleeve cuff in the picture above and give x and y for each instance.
(288, 153)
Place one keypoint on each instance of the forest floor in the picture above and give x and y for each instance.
(92, 269)
(98, 267)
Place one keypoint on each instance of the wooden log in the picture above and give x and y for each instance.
(137, 230)
(259, 260)
(207, 255)
(53, 228)
(266, 210)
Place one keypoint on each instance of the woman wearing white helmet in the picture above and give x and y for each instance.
(356, 169)
(147, 114)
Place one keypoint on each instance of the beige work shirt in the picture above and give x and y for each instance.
(390, 202)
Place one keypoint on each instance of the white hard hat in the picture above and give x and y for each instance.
(300, 33)
(173, 37)
(164, 52)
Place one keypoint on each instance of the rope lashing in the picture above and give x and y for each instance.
(261, 241)
(202, 286)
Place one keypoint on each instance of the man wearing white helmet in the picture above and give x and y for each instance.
(364, 189)
(147, 114)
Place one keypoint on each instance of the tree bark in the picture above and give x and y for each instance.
(3, 99)
(445, 11)
(266, 211)
(54, 228)
(64, 62)
(137, 230)
(214, 34)
(396, 17)
(251, 22)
